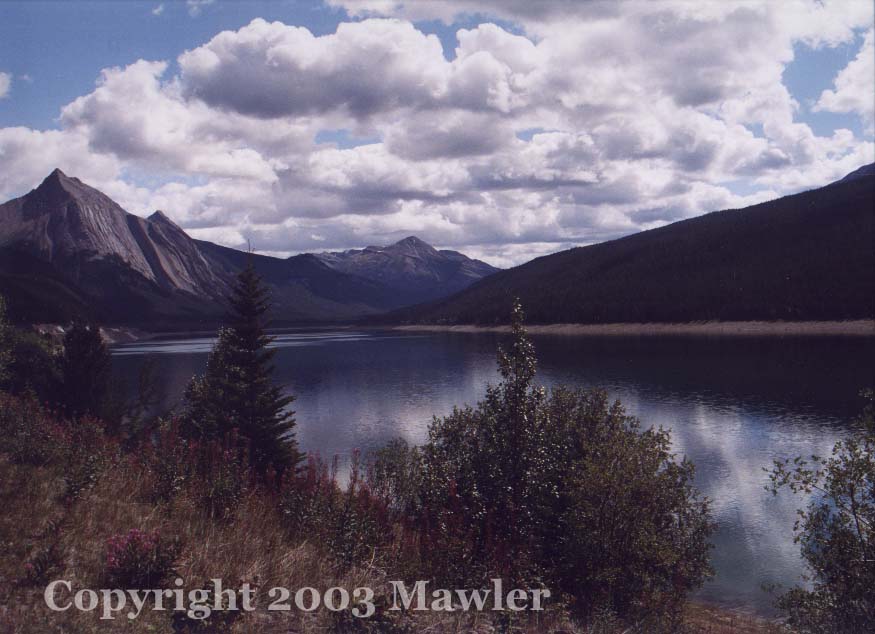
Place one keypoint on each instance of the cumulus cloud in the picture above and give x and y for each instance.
(278, 70)
(5, 84)
(587, 122)
(852, 87)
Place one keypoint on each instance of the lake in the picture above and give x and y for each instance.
(733, 405)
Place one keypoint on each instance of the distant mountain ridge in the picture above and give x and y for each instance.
(67, 249)
(417, 268)
(809, 256)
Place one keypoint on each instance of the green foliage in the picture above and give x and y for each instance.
(350, 523)
(236, 391)
(84, 365)
(836, 533)
(394, 475)
(27, 432)
(34, 367)
(222, 477)
(559, 489)
(88, 453)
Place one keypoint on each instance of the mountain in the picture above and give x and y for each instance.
(416, 269)
(809, 256)
(66, 249)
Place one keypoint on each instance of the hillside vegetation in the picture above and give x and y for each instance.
(804, 257)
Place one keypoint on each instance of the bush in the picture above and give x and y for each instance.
(215, 475)
(28, 431)
(139, 560)
(167, 460)
(351, 524)
(558, 489)
(837, 535)
(88, 452)
(222, 476)
(34, 366)
(394, 476)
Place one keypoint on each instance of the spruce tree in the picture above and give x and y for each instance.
(84, 370)
(236, 391)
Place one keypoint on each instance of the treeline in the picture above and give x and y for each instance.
(802, 257)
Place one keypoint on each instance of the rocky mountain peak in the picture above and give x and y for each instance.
(411, 245)
(162, 219)
(412, 265)
(412, 241)
(58, 189)
(56, 186)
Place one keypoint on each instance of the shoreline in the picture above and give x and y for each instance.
(115, 335)
(849, 328)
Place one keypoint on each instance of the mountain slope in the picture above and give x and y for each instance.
(803, 257)
(67, 249)
(418, 270)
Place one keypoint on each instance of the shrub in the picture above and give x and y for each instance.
(222, 476)
(34, 366)
(139, 559)
(352, 524)
(559, 489)
(837, 534)
(87, 453)
(394, 476)
(168, 462)
(28, 431)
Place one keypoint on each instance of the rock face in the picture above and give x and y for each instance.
(67, 250)
(65, 218)
(414, 267)
(68, 224)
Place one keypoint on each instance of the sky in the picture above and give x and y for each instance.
(505, 129)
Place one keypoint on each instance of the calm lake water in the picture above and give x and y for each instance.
(733, 405)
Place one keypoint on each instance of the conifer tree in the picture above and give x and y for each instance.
(84, 370)
(236, 392)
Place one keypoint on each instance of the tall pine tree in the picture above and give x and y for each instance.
(236, 391)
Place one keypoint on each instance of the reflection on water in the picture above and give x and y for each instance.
(733, 406)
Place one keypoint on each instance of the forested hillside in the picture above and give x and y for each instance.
(803, 257)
